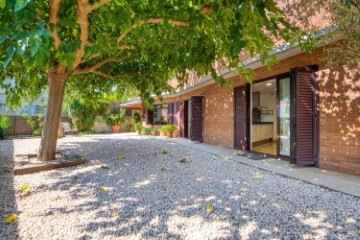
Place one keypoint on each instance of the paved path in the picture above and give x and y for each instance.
(345, 183)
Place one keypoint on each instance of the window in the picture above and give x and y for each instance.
(160, 114)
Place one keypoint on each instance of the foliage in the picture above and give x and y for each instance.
(132, 45)
(92, 47)
(39, 121)
(4, 125)
(137, 117)
(343, 18)
(138, 126)
(154, 131)
(346, 14)
(84, 114)
(87, 132)
(146, 131)
(114, 119)
(169, 128)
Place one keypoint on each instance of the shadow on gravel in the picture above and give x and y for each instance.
(8, 204)
(156, 198)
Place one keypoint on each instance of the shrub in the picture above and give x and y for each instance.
(114, 119)
(138, 126)
(137, 117)
(4, 125)
(169, 128)
(154, 131)
(32, 123)
(84, 115)
(164, 128)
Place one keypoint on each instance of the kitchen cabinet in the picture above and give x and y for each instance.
(261, 131)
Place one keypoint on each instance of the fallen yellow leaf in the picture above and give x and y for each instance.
(104, 189)
(57, 198)
(10, 218)
(25, 188)
(209, 208)
(257, 177)
(121, 157)
(115, 213)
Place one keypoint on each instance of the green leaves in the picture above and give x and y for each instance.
(20, 4)
(2, 4)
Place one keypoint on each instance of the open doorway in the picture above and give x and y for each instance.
(264, 120)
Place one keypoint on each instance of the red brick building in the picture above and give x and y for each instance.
(299, 110)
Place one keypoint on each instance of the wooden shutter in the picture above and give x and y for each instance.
(242, 117)
(181, 119)
(197, 118)
(171, 113)
(303, 117)
(149, 117)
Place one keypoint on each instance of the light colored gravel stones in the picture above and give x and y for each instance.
(141, 188)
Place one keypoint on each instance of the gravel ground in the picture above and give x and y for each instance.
(142, 188)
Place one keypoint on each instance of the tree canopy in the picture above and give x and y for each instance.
(98, 46)
(142, 44)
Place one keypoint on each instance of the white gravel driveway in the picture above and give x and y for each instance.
(138, 188)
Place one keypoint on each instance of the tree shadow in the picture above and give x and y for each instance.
(339, 107)
(8, 203)
(157, 196)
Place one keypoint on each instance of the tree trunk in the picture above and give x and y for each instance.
(57, 82)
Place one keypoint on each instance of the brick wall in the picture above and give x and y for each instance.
(339, 106)
(340, 120)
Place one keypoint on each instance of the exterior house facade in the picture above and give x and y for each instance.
(298, 110)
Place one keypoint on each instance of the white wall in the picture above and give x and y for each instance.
(269, 100)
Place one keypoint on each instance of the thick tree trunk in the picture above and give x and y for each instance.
(57, 82)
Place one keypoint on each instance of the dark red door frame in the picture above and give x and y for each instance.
(197, 119)
(242, 117)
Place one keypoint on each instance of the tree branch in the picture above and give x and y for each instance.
(125, 46)
(83, 10)
(105, 74)
(151, 20)
(54, 8)
(79, 71)
(92, 56)
(97, 5)
(205, 10)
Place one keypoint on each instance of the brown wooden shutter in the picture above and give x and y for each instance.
(182, 119)
(242, 117)
(171, 113)
(197, 118)
(149, 117)
(303, 117)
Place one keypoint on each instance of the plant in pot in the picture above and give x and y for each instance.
(138, 127)
(115, 120)
(163, 131)
(170, 130)
(154, 131)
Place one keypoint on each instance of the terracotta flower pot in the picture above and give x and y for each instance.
(116, 129)
(138, 131)
(162, 133)
(169, 134)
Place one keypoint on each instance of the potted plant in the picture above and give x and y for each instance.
(154, 131)
(138, 127)
(170, 130)
(115, 120)
(163, 131)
